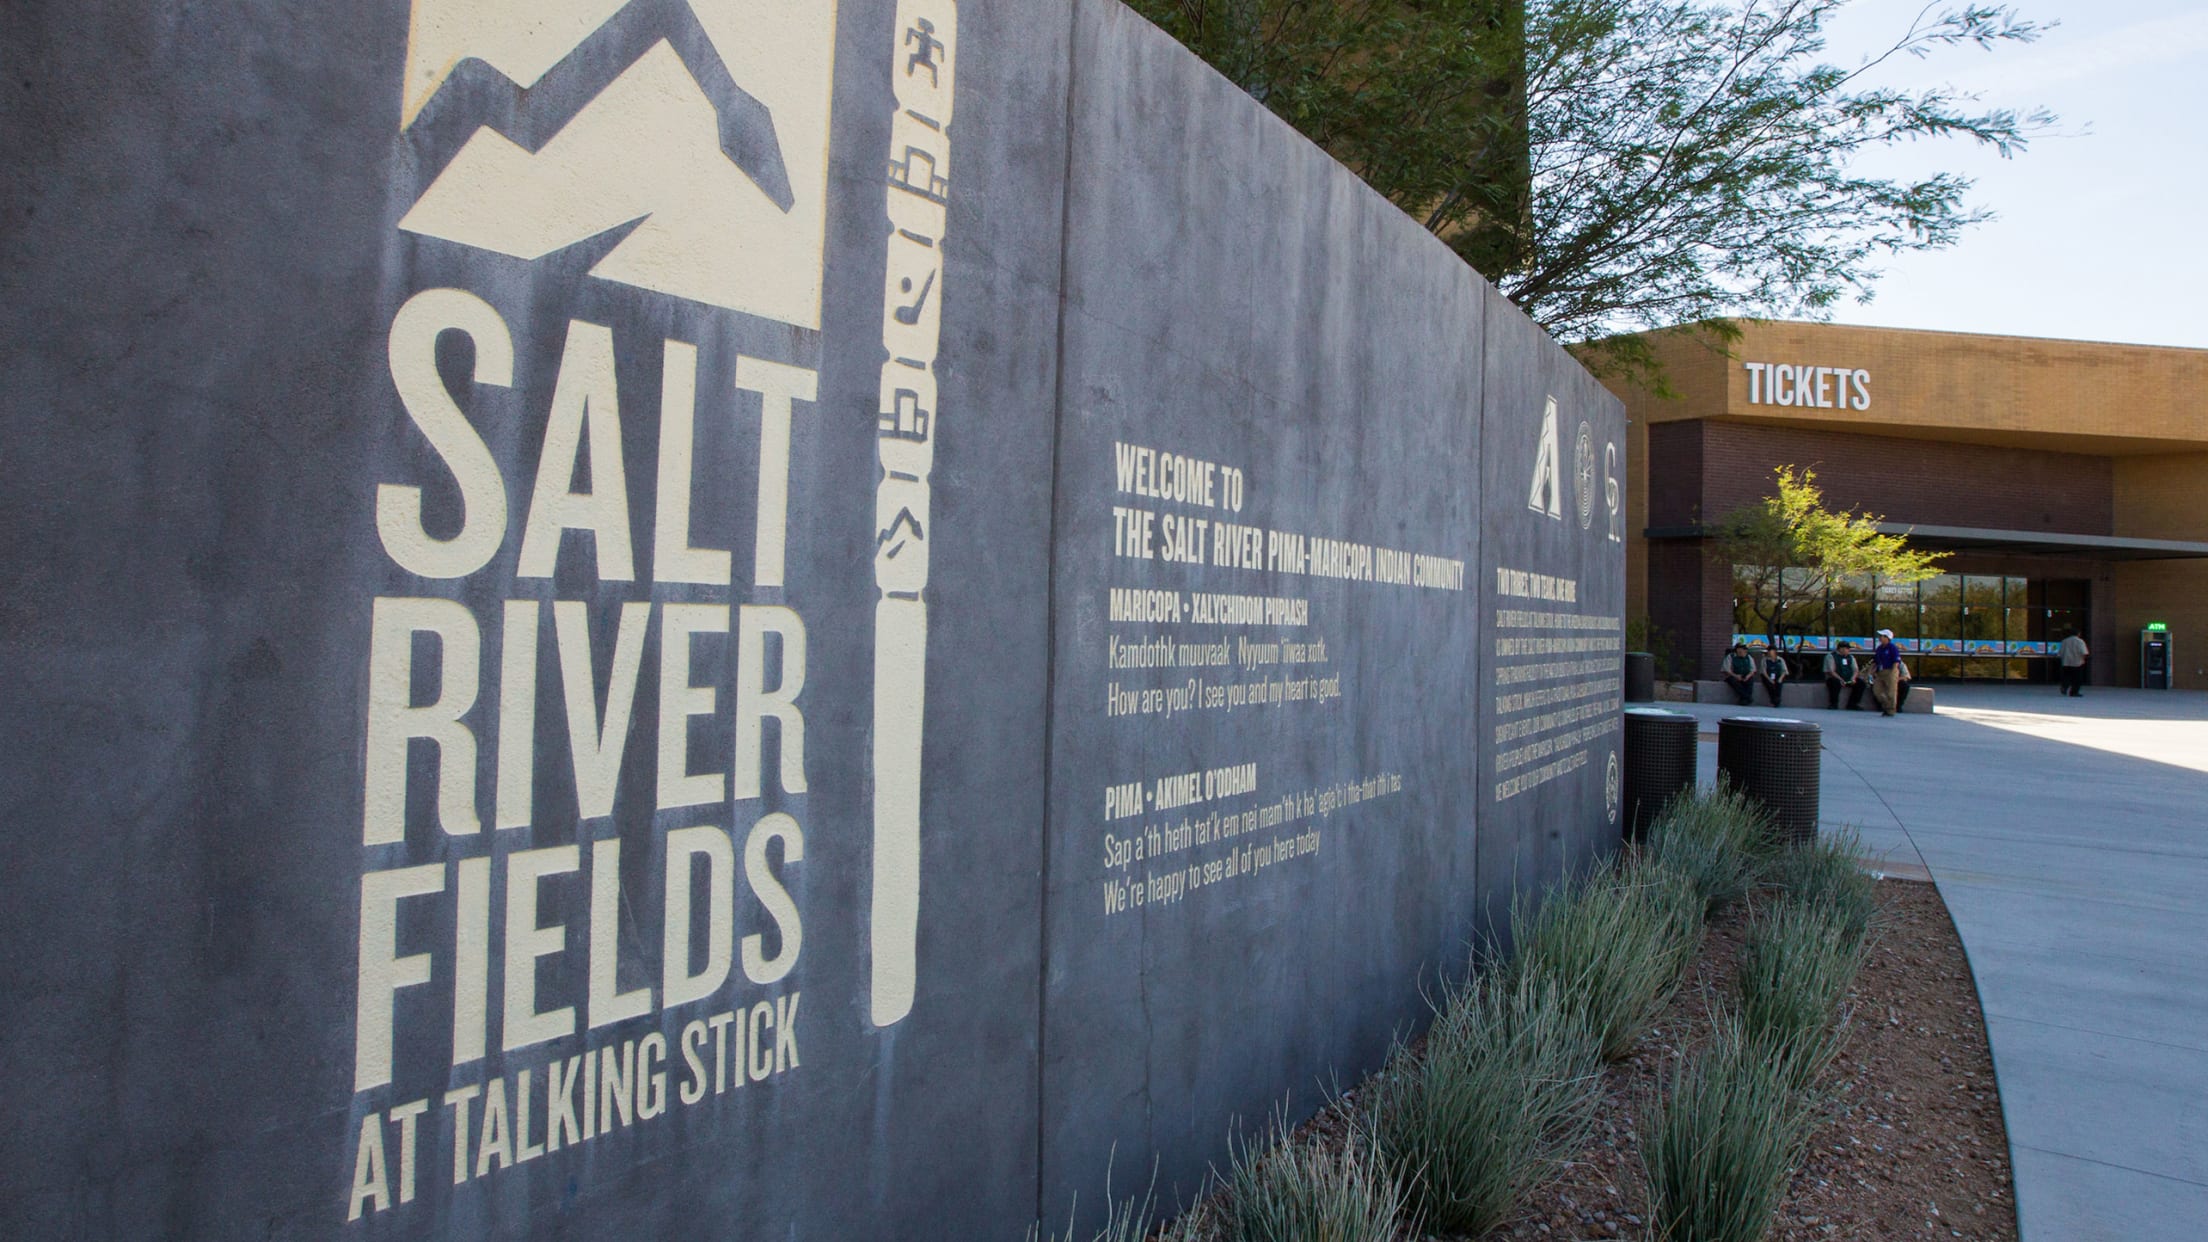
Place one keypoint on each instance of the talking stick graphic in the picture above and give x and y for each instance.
(918, 196)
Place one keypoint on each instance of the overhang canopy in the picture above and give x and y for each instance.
(1986, 539)
(2103, 547)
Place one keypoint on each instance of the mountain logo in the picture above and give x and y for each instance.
(706, 152)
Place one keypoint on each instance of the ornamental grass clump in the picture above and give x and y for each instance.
(1613, 946)
(1505, 1091)
(1829, 872)
(1714, 839)
(1127, 1220)
(1796, 964)
(1721, 1143)
(1306, 1192)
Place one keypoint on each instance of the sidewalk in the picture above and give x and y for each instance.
(2069, 838)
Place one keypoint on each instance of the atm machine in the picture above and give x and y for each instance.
(2155, 661)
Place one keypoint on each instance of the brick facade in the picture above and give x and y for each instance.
(1979, 432)
(1700, 470)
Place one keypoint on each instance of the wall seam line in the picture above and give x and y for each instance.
(1483, 923)
(1050, 661)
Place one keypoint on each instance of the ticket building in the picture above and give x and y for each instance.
(2065, 482)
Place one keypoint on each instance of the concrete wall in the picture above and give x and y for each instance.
(1233, 298)
(721, 619)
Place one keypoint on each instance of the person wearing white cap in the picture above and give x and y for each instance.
(1886, 682)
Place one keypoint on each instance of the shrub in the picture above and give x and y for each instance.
(1303, 1192)
(1829, 872)
(1714, 839)
(1794, 970)
(1506, 1088)
(1613, 945)
(1722, 1141)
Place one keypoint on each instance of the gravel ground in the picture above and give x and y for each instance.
(1913, 1147)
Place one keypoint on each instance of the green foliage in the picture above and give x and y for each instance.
(1641, 634)
(1613, 945)
(1794, 970)
(1694, 160)
(1829, 873)
(1616, 165)
(1721, 1143)
(1305, 1192)
(1424, 99)
(1506, 1089)
(1790, 540)
(1714, 839)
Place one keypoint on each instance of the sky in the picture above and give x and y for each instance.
(2103, 227)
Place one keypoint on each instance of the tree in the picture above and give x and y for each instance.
(1791, 544)
(1424, 99)
(1620, 165)
(1693, 161)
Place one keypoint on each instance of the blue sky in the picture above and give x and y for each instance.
(2103, 232)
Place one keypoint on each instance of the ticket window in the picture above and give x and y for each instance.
(2155, 658)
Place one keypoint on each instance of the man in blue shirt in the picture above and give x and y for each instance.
(1886, 659)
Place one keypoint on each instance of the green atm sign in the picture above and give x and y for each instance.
(2158, 626)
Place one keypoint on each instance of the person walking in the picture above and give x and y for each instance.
(2074, 656)
(1740, 672)
(1771, 671)
(1842, 669)
(1886, 684)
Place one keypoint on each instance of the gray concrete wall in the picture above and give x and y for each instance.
(1233, 297)
(342, 470)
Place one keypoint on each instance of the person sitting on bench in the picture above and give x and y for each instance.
(1771, 671)
(1843, 669)
(1740, 673)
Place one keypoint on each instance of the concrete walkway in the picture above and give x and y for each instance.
(2069, 838)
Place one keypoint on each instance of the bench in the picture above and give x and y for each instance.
(1809, 696)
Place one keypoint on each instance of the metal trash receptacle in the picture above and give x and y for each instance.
(1776, 761)
(1659, 763)
(1640, 677)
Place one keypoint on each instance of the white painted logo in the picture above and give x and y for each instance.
(1547, 495)
(1583, 474)
(1612, 493)
(649, 152)
(1613, 788)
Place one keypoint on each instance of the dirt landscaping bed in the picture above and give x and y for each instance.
(1914, 1145)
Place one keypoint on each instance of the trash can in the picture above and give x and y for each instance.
(1640, 677)
(1777, 762)
(1659, 762)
